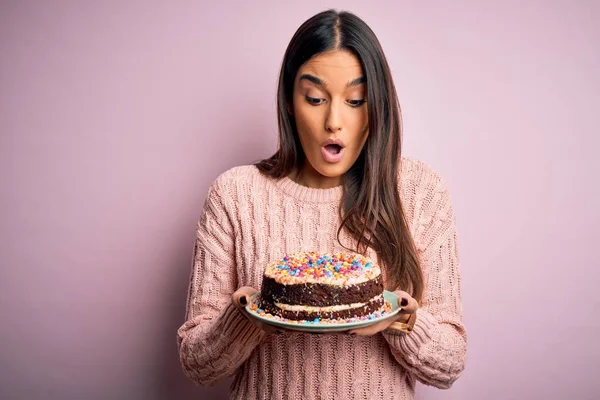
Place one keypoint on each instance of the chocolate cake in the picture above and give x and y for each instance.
(314, 287)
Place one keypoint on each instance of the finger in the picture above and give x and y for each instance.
(411, 307)
(406, 302)
(241, 297)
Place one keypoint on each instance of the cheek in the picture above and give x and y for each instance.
(307, 122)
(363, 119)
(305, 129)
(361, 128)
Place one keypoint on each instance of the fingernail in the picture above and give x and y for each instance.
(404, 302)
(243, 300)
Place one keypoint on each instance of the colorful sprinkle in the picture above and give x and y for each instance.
(342, 268)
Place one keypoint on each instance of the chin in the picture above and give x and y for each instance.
(332, 171)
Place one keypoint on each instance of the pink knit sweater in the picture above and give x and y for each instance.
(248, 220)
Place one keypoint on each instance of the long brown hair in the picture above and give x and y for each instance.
(370, 209)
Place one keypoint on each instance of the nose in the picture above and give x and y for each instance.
(333, 123)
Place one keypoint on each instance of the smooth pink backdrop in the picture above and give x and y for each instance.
(115, 117)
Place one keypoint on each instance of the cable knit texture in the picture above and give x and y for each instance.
(249, 219)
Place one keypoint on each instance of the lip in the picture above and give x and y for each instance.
(333, 158)
(339, 142)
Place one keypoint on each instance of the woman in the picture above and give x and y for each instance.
(337, 183)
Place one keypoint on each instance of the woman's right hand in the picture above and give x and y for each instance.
(241, 298)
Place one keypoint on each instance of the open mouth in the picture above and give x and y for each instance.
(332, 152)
(333, 149)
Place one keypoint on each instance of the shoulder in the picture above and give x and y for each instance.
(424, 192)
(419, 174)
(229, 192)
(235, 179)
(420, 179)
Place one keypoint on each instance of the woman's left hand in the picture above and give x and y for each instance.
(405, 301)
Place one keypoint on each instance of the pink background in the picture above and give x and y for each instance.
(116, 116)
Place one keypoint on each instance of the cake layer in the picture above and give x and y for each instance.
(318, 294)
(310, 313)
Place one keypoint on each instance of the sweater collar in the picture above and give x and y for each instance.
(306, 193)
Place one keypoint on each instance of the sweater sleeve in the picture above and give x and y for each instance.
(216, 337)
(435, 351)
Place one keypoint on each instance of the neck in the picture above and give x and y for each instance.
(309, 177)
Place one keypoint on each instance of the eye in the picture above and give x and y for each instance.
(356, 103)
(313, 100)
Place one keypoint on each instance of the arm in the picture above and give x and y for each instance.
(216, 337)
(435, 351)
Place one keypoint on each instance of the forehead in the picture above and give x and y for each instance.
(336, 68)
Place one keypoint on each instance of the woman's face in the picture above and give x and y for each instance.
(329, 104)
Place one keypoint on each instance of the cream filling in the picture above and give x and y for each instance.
(339, 307)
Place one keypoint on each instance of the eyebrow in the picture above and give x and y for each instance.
(320, 82)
